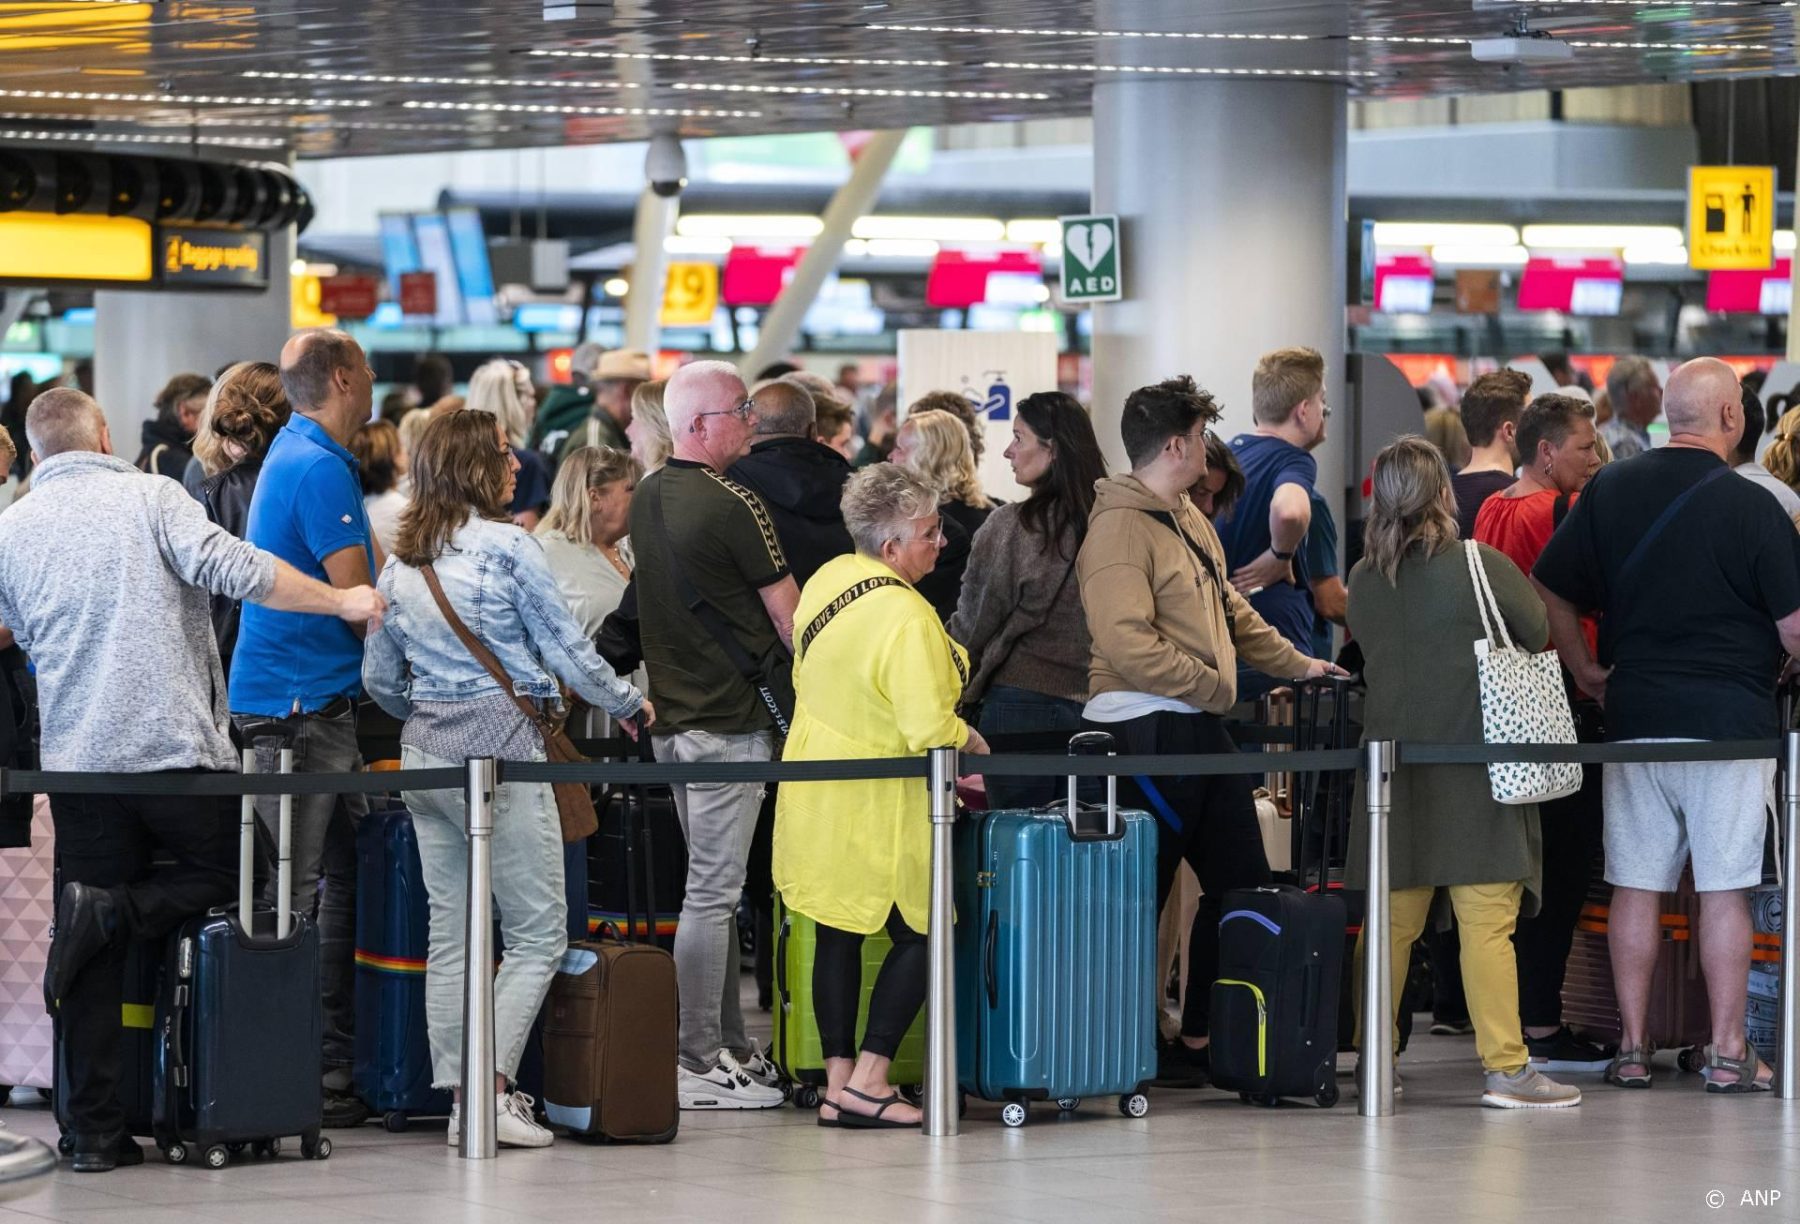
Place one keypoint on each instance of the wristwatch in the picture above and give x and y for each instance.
(1279, 555)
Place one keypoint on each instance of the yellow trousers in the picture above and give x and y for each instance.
(1485, 917)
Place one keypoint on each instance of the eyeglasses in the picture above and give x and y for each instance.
(742, 412)
(935, 536)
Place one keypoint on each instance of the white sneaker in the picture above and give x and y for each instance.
(1528, 1088)
(513, 1124)
(758, 1067)
(724, 1085)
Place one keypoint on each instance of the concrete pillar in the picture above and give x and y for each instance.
(1230, 195)
(141, 338)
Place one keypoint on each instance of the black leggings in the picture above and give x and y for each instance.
(837, 987)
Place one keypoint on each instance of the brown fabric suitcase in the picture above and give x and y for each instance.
(1678, 1018)
(610, 1043)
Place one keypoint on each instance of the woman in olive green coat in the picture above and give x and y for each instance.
(1412, 608)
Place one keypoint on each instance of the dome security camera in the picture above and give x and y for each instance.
(665, 167)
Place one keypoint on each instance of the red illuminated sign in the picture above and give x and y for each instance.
(958, 279)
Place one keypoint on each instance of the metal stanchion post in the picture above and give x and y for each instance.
(1375, 1067)
(1787, 1071)
(284, 861)
(477, 1141)
(941, 1113)
(247, 852)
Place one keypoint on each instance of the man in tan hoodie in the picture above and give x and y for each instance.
(1168, 629)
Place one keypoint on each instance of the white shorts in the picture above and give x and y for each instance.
(1660, 813)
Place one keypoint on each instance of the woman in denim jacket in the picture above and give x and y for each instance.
(415, 667)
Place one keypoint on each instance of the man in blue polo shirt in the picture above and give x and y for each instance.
(1268, 525)
(307, 670)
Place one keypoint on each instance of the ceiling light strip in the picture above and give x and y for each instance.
(847, 91)
(77, 95)
(673, 57)
(1421, 40)
(370, 78)
(532, 108)
(1334, 73)
(1040, 32)
(156, 138)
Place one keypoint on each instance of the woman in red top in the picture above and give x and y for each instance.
(1556, 444)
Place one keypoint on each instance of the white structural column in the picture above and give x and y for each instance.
(141, 338)
(654, 222)
(848, 205)
(1230, 196)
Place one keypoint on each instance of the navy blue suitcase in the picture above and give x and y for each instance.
(1275, 1003)
(393, 928)
(239, 1020)
(1056, 953)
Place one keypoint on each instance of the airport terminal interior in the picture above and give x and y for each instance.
(870, 266)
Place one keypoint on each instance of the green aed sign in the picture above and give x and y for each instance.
(1090, 259)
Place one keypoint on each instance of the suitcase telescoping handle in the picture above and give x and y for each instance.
(1092, 743)
(282, 736)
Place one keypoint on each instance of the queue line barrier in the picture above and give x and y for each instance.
(940, 767)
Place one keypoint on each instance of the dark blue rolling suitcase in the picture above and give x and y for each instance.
(1056, 953)
(393, 928)
(239, 1022)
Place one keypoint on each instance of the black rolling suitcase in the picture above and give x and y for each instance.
(1275, 1003)
(239, 1024)
(638, 851)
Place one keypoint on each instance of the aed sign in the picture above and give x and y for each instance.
(190, 256)
(1090, 259)
(690, 295)
(1731, 217)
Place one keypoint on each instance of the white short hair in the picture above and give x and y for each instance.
(63, 419)
(701, 386)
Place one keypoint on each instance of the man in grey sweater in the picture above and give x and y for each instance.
(105, 579)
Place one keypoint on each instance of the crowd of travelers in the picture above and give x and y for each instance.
(675, 554)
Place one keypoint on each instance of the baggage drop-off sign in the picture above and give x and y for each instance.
(1090, 259)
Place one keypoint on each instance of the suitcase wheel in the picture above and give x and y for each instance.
(1014, 1113)
(66, 1145)
(1068, 1104)
(317, 1148)
(1692, 1060)
(1327, 1095)
(217, 1157)
(1134, 1105)
(236, 1149)
(806, 1096)
(395, 1121)
(266, 1147)
(175, 1153)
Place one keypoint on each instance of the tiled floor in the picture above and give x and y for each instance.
(1647, 1157)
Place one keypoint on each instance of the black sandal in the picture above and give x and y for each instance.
(824, 1103)
(859, 1121)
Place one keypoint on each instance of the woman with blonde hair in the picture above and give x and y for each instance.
(934, 446)
(1412, 606)
(584, 533)
(244, 411)
(504, 388)
(1782, 458)
(648, 432)
(458, 556)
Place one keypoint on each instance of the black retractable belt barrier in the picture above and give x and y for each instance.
(32, 781)
(1588, 754)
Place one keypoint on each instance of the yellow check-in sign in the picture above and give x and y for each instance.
(690, 294)
(1731, 217)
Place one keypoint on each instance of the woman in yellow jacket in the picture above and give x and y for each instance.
(875, 675)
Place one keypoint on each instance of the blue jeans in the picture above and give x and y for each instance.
(528, 890)
(1015, 711)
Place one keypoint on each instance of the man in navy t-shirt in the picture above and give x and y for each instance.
(1264, 534)
(306, 671)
